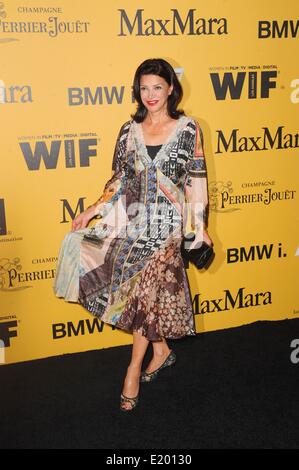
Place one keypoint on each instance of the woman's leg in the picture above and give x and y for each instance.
(131, 384)
(160, 353)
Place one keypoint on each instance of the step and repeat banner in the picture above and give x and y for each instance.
(66, 73)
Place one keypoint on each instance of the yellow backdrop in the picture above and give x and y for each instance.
(65, 89)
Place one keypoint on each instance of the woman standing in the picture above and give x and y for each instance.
(127, 269)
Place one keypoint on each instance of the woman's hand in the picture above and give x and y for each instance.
(207, 238)
(83, 219)
(201, 236)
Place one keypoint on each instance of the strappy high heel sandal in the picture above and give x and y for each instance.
(133, 402)
(150, 376)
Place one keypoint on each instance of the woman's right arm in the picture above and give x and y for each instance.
(112, 188)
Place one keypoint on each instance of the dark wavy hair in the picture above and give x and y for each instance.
(163, 69)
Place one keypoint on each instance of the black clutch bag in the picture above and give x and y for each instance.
(200, 256)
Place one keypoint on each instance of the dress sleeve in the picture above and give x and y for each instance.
(196, 186)
(114, 187)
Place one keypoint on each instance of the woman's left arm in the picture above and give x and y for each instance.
(196, 190)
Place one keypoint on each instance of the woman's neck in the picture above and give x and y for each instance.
(157, 118)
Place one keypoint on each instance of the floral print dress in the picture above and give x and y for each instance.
(127, 269)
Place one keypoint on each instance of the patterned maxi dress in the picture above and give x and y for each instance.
(127, 269)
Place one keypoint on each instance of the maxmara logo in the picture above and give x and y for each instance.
(177, 23)
(231, 300)
(68, 212)
(269, 139)
(12, 94)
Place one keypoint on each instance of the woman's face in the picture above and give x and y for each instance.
(154, 92)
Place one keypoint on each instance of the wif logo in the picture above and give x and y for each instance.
(7, 332)
(50, 152)
(258, 84)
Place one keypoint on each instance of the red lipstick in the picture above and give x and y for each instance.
(152, 102)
